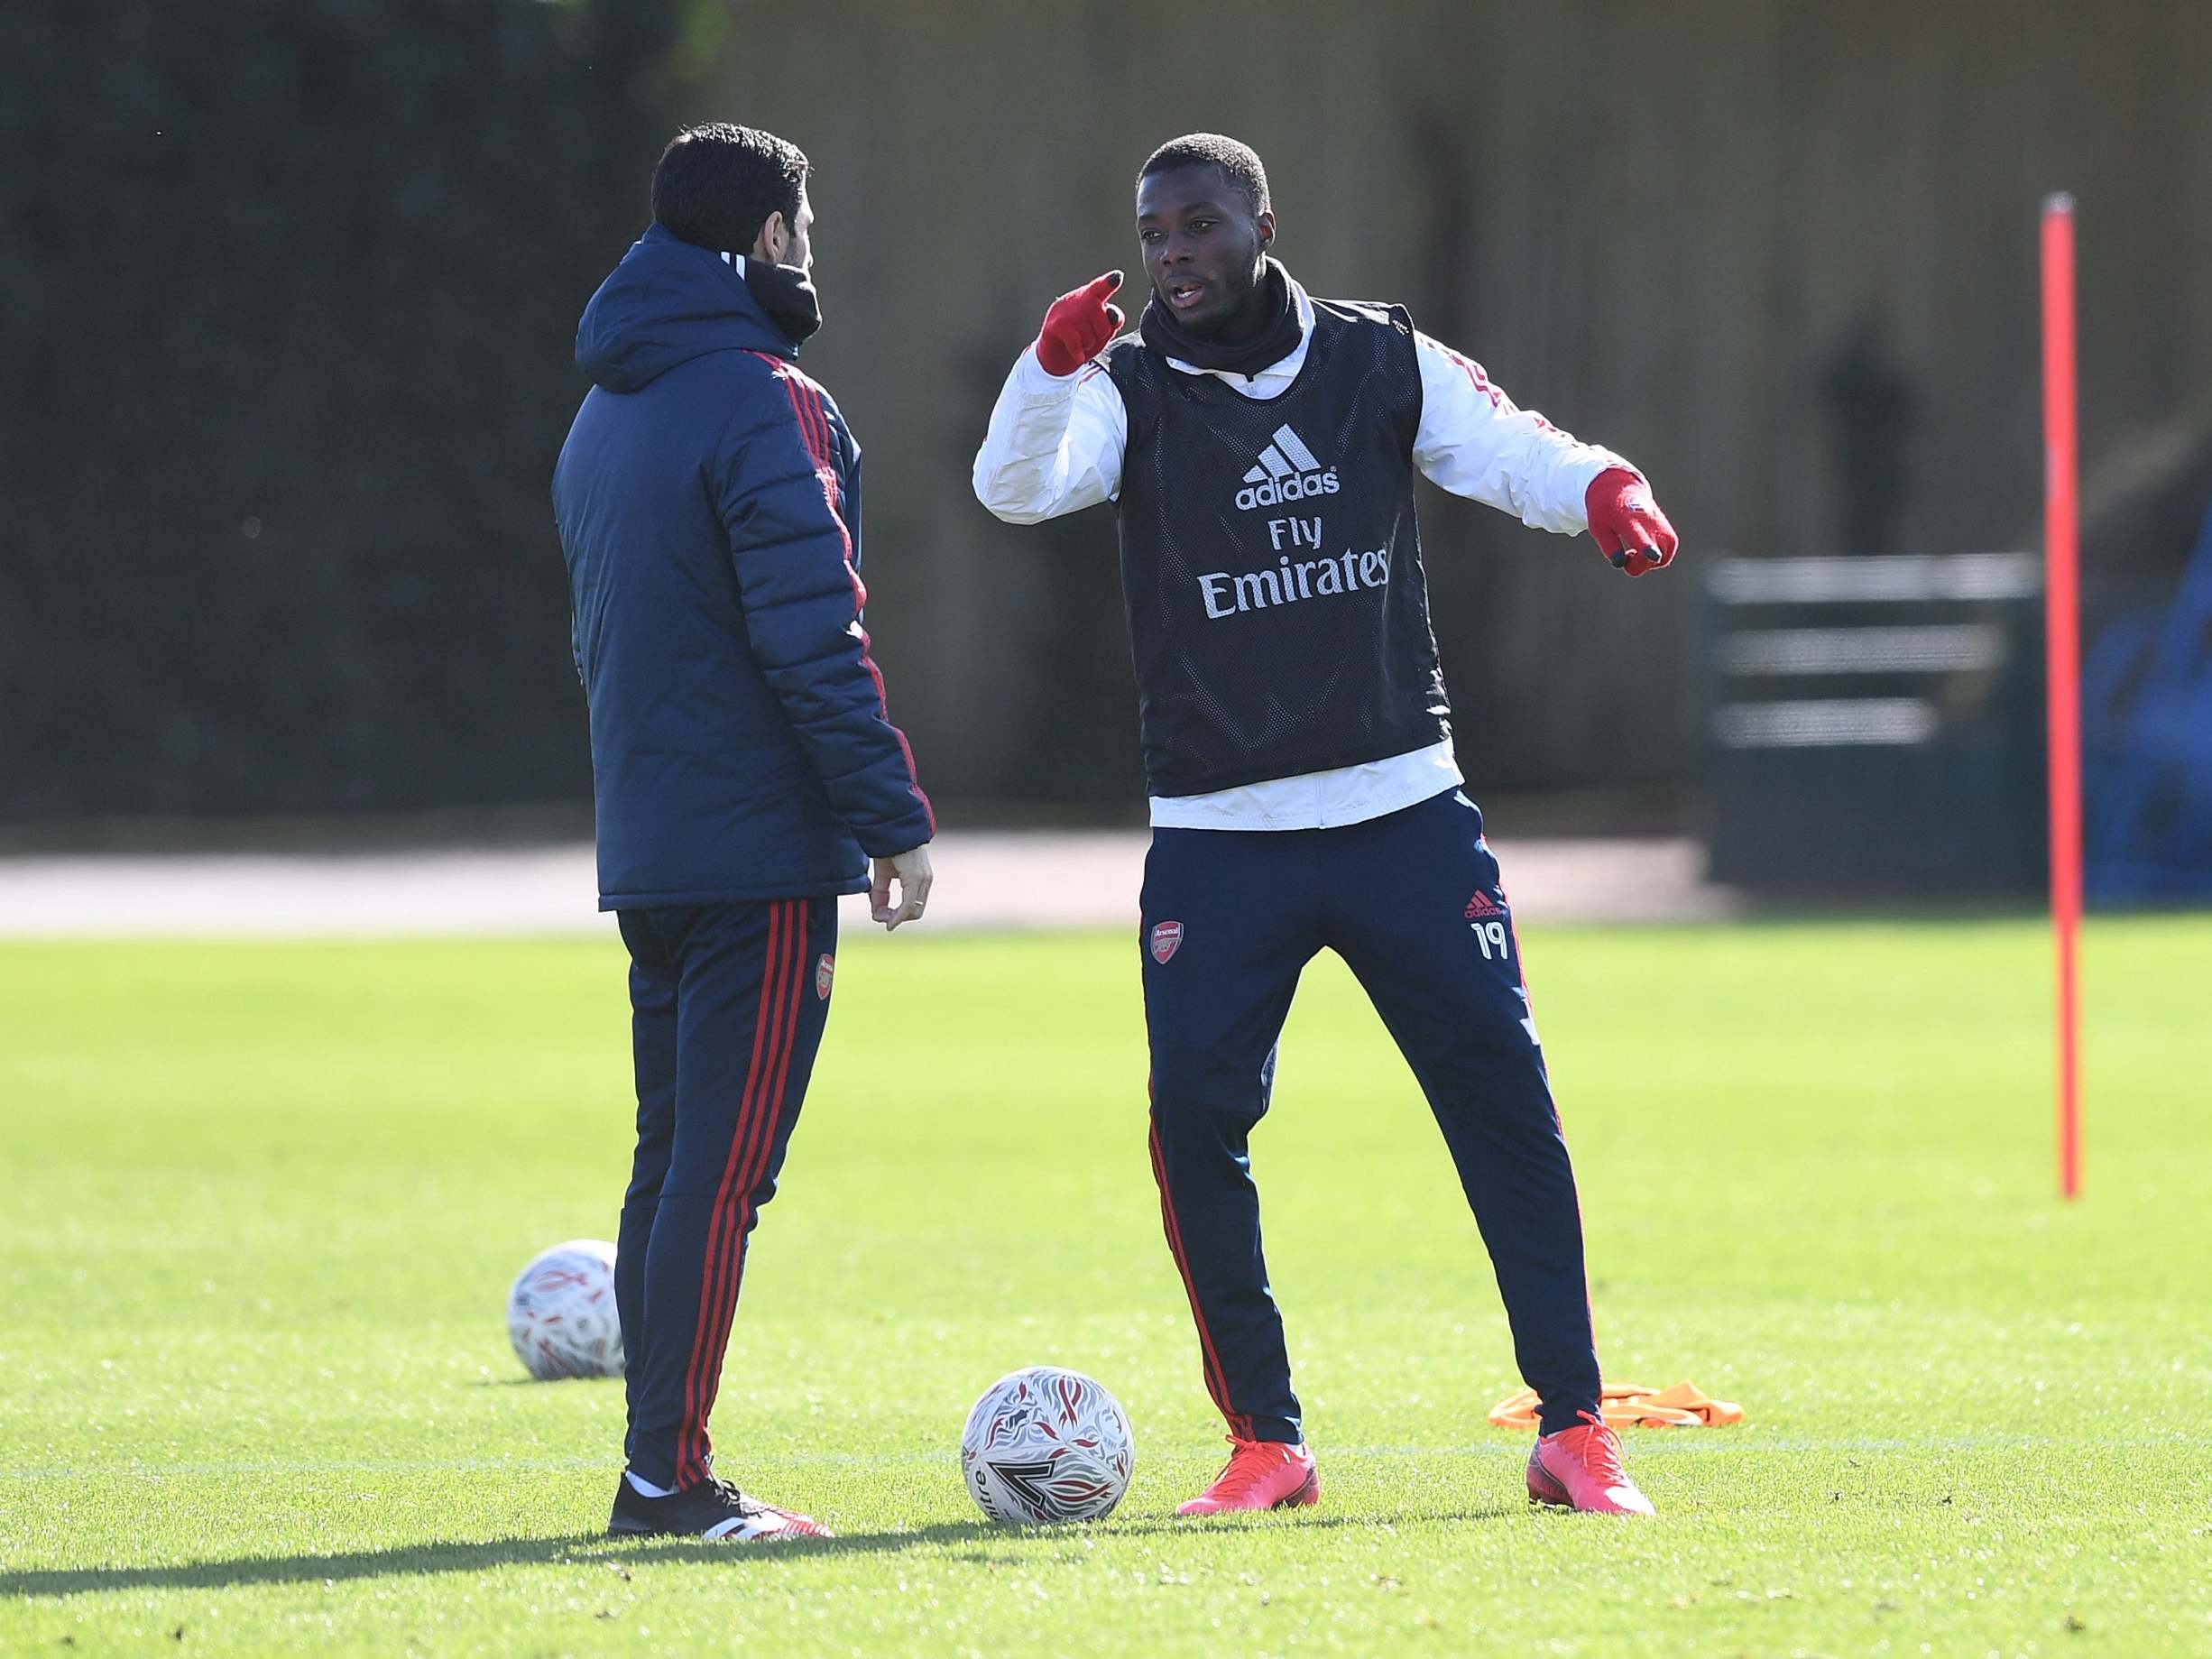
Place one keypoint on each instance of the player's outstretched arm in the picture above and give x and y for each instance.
(1059, 429)
(1474, 441)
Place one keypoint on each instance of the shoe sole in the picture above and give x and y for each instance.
(782, 1535)
(622, 1526)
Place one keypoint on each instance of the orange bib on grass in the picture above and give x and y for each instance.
(1632, 1406)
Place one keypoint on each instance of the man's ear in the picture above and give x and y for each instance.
(1265, 223)
(774, 240)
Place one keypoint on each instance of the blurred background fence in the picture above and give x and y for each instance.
(287, 292)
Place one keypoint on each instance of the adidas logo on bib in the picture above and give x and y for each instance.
(1287, 471)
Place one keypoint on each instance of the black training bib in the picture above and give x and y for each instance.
(1271, 563)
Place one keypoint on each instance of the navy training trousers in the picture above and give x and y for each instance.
(1411, 901)
(727, 1003)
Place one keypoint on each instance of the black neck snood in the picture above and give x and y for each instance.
(1275, 339)
(787, 296)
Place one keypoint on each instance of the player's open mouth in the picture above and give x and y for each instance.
(1182, 296)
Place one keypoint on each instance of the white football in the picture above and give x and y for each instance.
(561, 1316)
(1046, 1445)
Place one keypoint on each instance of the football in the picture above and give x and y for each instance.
(1046, 1445)
(561, 1315)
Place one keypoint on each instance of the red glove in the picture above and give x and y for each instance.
(1078, 326)
(1625, 522)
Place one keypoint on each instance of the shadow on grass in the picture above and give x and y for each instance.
(598, 1550)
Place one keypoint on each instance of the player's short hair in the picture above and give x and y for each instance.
(1239, 163)
(716, 184)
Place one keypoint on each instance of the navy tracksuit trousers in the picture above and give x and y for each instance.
(728, 1002)
(1411, 901)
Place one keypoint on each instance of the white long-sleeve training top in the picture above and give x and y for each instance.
(1055, 444)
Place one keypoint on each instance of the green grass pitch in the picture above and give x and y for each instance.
(262, 1202)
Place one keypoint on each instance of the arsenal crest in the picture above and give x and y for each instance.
(824, 971)
(1166, 940)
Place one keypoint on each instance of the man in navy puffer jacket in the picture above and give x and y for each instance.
(746, 769)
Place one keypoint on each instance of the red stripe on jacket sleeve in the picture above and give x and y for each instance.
(813, 414)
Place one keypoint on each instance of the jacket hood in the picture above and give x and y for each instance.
(665, 304)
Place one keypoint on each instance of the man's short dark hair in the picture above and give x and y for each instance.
(716, 184)
(1239, 163)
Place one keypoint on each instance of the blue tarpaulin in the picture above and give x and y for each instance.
(2147, 746)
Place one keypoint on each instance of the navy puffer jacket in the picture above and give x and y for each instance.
(709, 505)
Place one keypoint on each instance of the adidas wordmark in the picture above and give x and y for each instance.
(1287, 471)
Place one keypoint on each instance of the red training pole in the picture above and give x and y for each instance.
(2062, 676)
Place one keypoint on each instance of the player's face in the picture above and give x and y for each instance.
(789, 242)
(801, 250)
(1201, 243)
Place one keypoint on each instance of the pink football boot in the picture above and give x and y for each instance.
(1262, 1474)
(1579, 1468)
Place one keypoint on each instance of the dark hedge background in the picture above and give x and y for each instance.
(289, 288)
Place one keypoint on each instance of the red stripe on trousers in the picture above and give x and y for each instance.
(1217, 1383)
(756, 1148)
(689, 1429)
(691, 1434)
(759, 1145)
(790, 1021)
(754, 1131)
(711, 1335)
(755, 1144)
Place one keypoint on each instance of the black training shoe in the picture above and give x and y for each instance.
(711, 1509)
